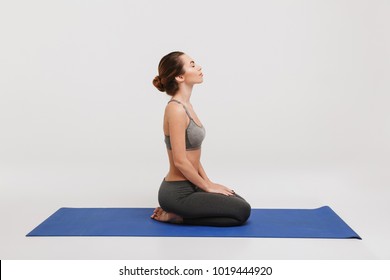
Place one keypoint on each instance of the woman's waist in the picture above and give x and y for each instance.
(174, 174)
(178, 185)
(175, 177)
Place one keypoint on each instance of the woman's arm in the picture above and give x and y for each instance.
(214, 186)
(202, 173)
(177, 122)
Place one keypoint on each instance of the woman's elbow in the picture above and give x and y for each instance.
(179, 162)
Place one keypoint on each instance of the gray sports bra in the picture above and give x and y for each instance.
(194, 133)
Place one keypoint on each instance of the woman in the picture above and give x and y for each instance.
(186, 194)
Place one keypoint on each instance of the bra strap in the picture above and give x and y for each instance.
(188, 114)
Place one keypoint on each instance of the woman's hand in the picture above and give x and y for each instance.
(217, 188)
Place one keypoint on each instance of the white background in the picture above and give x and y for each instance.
(295, 103)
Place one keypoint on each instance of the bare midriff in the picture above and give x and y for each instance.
(174, 173)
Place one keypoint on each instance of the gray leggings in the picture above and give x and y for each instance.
(198, 207)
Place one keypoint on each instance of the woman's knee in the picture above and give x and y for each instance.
(244, 212)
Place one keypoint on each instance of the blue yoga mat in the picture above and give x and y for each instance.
(273, 223)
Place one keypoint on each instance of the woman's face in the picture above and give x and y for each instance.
(193, 72)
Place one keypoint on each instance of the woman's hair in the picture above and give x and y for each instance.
(170, 66)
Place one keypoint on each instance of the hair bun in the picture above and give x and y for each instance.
(158, 84)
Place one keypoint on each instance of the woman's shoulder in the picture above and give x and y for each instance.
(174, 109)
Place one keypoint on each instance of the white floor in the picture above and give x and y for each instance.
(358, 193)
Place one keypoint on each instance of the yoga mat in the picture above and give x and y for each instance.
(271, 223)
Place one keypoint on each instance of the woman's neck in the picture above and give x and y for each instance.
(183, 94)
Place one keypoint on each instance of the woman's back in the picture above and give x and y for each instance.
(174, 110)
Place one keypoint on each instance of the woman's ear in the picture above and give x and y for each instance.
(179, 78)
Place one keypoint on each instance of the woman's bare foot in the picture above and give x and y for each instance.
(160, 215)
